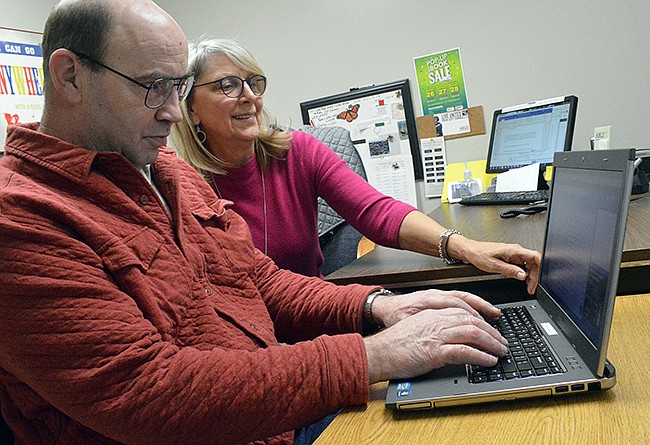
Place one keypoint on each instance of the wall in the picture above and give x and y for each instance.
(513, 51)
(29, 15)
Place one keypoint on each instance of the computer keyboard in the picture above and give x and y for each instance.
(506, 198)
(528, 353)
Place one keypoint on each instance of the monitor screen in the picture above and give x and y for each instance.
(531, 133)
(578, 257)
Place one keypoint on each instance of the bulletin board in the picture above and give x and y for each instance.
(382, 126)
(427, 125)
(380, 120)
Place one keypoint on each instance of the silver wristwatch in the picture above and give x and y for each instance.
(368, 319)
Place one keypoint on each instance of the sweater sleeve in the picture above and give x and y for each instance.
(77, 341)
(373, 214)
(304, 307)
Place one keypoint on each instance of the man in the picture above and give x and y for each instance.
(133, 306)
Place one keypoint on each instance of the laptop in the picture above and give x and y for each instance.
(565, 328)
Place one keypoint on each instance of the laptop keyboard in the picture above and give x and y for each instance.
(528, 353)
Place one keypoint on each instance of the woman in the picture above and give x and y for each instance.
(274, 178)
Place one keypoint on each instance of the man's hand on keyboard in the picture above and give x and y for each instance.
(431, 339)
(389, 310)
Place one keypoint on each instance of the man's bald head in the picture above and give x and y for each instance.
(86, 26)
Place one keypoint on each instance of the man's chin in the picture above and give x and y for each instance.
(143, 156)
(150, 158)
(158, 141)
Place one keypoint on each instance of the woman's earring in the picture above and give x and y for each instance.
(200, 134)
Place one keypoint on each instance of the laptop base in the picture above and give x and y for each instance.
(579, 386)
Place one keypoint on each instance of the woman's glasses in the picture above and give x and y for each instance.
(233, 86)
(159, 90)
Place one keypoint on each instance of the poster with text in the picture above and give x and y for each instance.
(21, 79)
(440, 82)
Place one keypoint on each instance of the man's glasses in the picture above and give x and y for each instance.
(159, 90)
(233, 86)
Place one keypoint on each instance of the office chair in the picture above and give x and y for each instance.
(338, 239)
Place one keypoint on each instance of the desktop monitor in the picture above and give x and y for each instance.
(531, 133)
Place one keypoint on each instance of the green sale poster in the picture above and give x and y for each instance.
(440, 81)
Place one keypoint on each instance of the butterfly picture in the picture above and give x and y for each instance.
(350, 114)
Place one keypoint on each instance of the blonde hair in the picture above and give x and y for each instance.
(270, 143)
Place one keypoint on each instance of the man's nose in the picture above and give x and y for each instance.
(170, 110)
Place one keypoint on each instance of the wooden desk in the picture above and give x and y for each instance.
(397, 269)
(618, 416)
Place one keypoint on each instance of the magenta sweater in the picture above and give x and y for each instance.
(293, 185)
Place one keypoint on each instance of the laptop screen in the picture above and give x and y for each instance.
(531, 133)
(579, 244)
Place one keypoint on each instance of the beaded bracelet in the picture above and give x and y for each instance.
(442, 246)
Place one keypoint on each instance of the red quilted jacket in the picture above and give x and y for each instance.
(120, 324)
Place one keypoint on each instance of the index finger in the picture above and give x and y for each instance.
(532, 280)
(480, 305)
(477, 305)
(529, 260)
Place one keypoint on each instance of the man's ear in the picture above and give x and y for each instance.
(66, 74)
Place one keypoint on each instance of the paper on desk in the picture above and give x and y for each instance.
(518, 179)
